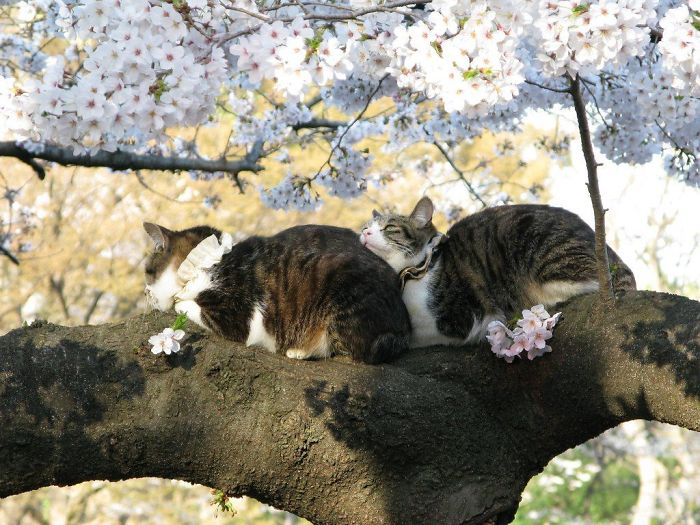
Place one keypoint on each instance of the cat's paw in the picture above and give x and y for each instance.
(294, 353)
(192, 310)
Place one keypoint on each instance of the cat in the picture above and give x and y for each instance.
(488, 266)
(307, 292)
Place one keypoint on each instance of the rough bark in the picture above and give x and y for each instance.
(444, 435)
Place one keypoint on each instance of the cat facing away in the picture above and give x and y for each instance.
(306, 292)
(489, 266)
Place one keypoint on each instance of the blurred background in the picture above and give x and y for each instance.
(81, 247)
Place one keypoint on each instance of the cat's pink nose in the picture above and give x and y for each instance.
(366, 232)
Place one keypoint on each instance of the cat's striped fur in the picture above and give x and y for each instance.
(490, 265)
(307, 292)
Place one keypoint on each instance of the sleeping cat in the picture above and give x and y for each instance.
(489, 266)
(307, 292)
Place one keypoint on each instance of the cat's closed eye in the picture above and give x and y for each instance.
(391, 228)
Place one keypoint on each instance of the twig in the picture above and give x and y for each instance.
(601, 251)
(354, 121)
(595, 103)
(58, 285)
(9, 255)
(93, 306)
(548, 88)
(460, 173)
(351, 15)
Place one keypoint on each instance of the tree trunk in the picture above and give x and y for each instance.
(444, 435)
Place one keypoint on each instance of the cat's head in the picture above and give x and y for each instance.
(401, 240)
(170, 248)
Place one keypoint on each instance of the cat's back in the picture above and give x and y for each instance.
(316, 276)
(319, 238)
(519, 221)
(328, 245)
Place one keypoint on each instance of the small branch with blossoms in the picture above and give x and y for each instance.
(529, 336)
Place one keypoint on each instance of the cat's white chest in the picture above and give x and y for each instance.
(417, 297)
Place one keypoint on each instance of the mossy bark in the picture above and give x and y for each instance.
(443, 435)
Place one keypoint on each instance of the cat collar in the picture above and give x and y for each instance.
(418, 272)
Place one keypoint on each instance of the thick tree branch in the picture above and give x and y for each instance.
(444, 435)
(601, 250)
(121, 160)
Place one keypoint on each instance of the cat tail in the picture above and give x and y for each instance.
(387, 347)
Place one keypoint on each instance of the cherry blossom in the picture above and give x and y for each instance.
(530, 336)
(167, 342)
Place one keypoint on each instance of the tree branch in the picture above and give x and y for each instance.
(444, 435)
(315, 123)
(459, 173)
(121, 160)
(606, 293)
(7, 253)
(348, 14)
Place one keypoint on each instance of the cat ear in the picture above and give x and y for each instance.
(159, 234)
(423, 212)
(376, 214)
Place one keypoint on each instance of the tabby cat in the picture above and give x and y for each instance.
(308, 292)
(488, 266)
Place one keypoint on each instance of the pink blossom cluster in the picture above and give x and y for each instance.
(529, 336)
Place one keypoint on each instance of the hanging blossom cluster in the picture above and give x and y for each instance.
(142, 71)
(529, 337)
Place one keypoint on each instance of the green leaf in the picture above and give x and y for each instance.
(315, 41)
(180, 322)
(158, 88)
(580, 9)
(614, 268)
(222, 502)
(470, 73)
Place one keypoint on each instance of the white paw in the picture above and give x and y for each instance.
(296, 354)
